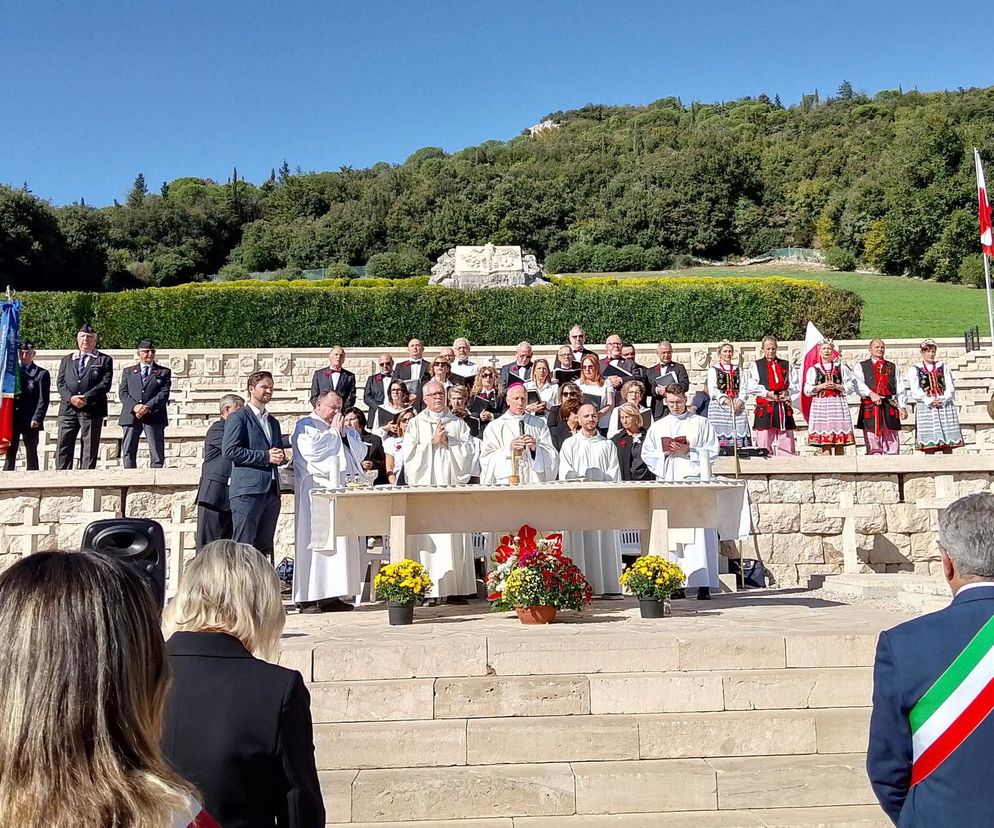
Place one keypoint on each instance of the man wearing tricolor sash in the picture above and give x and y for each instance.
(931, 742)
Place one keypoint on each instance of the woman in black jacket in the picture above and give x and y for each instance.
(238, 727)
(376, 457)
(629, 442)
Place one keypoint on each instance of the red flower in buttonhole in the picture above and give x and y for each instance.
(622, 442)
(327, 373)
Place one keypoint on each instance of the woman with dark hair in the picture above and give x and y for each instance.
(562, 418)
(393, 447)
(376, 458)
(83, 681)
(398, 398)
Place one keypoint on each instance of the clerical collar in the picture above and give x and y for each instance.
(682, 416)
(515, 417)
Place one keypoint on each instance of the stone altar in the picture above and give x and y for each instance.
(487, 265)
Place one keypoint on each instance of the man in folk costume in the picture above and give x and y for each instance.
(439, 451)
(681, 446)
(882, 403)
(774, 383)
(589, 456)
(325, 454)
(516, 431)
(931, 740)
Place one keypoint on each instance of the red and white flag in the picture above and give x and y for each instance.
(812, 347)
(986, 234)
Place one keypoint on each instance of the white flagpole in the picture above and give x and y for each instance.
(990, 307)
(987, 267)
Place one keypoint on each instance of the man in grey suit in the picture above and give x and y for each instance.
(84, 379)
(213, 508)
(144, 393)
(254, 445)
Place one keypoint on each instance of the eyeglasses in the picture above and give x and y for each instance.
(386, 365)
(570, 394)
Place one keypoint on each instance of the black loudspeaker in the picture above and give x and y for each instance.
(137, 543)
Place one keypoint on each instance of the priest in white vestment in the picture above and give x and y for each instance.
(325, 454)
(589, 456)
(516, 430)
(681, 446)
(439, 451)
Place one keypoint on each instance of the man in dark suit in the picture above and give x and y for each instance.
(375, 392)
(666, 365)
(578, 344)
(144, 393)
(931, 741)
(416, 367)
(520, 368)
(254, 445)
(614, 359)
(334, 378)
(213, 509)
(30, 406)
(83, 381)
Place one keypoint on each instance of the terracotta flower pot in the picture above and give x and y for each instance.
(653, 607)
(536, 615)
(400, 613)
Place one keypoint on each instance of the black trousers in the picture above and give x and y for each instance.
(254, 517)
(156, 436)
(73, 424)
(30, 437)
(212, 525)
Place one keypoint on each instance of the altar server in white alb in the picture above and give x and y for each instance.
(325, 454)
(681, 446)
(589, 456)
(516, 430)
(439, 451)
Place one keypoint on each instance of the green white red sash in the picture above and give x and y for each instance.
(953, 707)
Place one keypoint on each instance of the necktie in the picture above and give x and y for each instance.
(464, 362)
(144, 373)
(82, 362)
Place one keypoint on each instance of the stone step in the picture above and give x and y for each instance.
(846, 816)
(549, 652)
(590, 788)
(920, 593)
(488, 697)
(442, 743)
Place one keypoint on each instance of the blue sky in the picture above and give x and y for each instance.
(93, 93)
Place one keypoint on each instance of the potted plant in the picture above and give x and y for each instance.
(532, 576)
(401, 584)
(652, 579)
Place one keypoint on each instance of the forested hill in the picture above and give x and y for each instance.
(886, 179)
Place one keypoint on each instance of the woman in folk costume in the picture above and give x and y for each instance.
(930, 385)
(827, 382)
(726, 410)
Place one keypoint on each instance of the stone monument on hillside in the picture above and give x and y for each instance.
(486, 265)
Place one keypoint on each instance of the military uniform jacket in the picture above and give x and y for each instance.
(32, 401)
(94, 383)
(153, 392)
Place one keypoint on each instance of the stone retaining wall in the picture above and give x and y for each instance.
(201, 377)
(811, 516)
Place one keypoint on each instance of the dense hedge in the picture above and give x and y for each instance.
(309, 314)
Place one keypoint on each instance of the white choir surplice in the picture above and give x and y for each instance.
(699, 559)
(597, 553)
(320, 461)
(447, 557)
(495, 455)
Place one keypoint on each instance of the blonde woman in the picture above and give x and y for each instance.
(632, 393)
(83, 678)
(541, 384)
(596, 391)
(239, 726)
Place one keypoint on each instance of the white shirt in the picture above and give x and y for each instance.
(262, 418)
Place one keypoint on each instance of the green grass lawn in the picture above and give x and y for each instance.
(894, 306)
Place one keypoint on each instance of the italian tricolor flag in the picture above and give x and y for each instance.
(954, 706)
